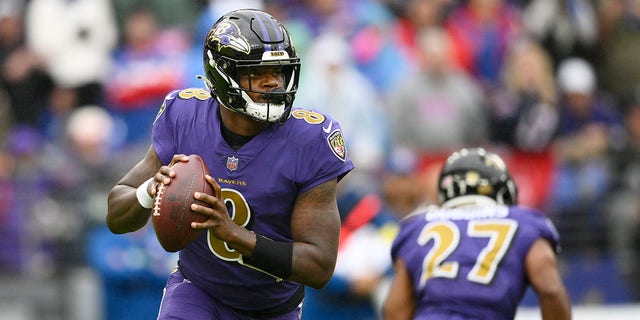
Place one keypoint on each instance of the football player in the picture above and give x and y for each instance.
(273, 227)
(475, 255)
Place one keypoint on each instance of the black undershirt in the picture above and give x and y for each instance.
(233, 139)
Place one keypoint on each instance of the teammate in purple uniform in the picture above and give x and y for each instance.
(273, 227)
(474, 257)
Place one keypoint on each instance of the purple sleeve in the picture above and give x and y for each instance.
(326, 159)
(408, 228)
(162, 133)
(540, 226)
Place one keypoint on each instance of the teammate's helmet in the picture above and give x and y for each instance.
(245, 39)
(476, 172)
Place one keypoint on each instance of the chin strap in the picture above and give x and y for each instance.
(277, 99)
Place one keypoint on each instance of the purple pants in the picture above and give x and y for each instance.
(182, 300)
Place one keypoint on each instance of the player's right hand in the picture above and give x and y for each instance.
(165, 173)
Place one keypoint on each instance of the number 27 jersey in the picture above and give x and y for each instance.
(469, 261)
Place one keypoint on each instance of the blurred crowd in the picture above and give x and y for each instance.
(552, 86)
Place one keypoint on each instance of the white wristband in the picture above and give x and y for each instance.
(145, 200)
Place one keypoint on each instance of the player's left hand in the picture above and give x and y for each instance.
(219, 221)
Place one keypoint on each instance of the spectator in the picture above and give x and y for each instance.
(23, 74)
(618, 63)
(524, 107)
(587, 120)
(75, 171)
(623, 200)
(331, 83)
(413, 17)
(80, 160)
(564, 28)
(524, 116)
(481, 33)
(438, 107)
(61, 103)
(75, 39)
(170, 14)
(386, 48)
(145, 68)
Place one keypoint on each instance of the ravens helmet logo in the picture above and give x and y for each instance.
(227, 35)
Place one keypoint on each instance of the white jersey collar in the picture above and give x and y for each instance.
(468, 201)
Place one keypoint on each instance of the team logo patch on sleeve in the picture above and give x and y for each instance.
(161, 111)
(337, 144)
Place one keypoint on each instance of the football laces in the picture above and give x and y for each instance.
(156, 202)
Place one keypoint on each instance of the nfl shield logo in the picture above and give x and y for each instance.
(232, 163)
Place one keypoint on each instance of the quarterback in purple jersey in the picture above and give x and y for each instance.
(475, 255)
(273, 222)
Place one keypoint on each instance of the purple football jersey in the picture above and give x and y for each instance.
(469, 261)
(260, 183)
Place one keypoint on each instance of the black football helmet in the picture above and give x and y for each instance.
(240, 41)
(475, 171)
